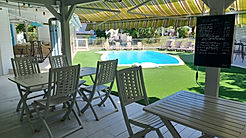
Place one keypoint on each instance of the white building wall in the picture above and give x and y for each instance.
(43, 33)
(6, 48)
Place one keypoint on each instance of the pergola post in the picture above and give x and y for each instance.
(212, 80)
(65, 33)
(64, 17)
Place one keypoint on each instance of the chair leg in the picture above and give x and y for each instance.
(88, 105)
(42, 120)
(19, 106)
(104, 99)
(84, 97)
(100, 98)
(111, 99)
(70, 106)
(47, 127)
(77, 118)
(159, 133)
(77, 106)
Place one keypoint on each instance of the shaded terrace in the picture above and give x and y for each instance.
(131, 14)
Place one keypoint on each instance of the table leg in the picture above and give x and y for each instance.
(171, 128)
(25, 106)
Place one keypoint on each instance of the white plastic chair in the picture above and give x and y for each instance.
(62, 89)
(25, 66)
(131, 88)
(105, 75)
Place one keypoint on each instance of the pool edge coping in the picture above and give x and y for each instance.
(181, 62)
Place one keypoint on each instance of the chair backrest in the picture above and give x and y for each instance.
(25, 65)
(131, 86)
(63, 82)
(58, 61)
(117, 44)
(187, 44)
(140, 45)
(168, 43)
(105, 71)
(128, 44)
(178, 44)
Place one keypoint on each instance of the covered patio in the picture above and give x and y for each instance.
(108, 15)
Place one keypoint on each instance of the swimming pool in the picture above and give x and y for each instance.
(127, 58)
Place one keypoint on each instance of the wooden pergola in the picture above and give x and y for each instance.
(67, 8)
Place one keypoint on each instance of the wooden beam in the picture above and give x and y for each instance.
(73, 2)
(70, 12)
(228, 3)
(53, 11)
(39, 2)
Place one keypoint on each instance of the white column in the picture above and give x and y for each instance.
(65, 33)
(6, 48)
(212, 80)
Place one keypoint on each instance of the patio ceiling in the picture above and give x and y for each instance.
(153, 13)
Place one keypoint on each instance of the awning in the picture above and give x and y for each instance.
(142, 24)
(169, 12)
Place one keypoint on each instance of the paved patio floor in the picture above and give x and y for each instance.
(111, 126)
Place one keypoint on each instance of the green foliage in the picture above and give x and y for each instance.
(33, 36)
(102, 33)
(183, 32)
(20, 28)
(142, 32)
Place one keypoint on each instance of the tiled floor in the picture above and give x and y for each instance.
(108, 127)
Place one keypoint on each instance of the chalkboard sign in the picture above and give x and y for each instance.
(214, 40)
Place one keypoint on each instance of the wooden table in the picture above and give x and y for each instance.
(29, 81)
(211, 115)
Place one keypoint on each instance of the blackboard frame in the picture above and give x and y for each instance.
(214, 47)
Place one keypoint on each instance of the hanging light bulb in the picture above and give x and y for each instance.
(36, 10)
(43, 13)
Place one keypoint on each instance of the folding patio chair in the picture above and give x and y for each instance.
(166, 46)
(61, 61)
(131, 88)
(62, 89)
(140, 46)
(128, 46)
(25, 66)
(176, 46)
(117, 46)
(105, 75)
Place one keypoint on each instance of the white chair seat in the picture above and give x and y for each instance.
(53, 102)
(147, 120)
(98, 88)
(39, 88)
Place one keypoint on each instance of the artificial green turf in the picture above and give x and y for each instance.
(166, 80)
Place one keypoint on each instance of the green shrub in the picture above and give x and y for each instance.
(182, 32)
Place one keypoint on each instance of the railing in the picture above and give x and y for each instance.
(147, 42)
(82, 43)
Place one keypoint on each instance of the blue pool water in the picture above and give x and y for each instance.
(131, 57)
